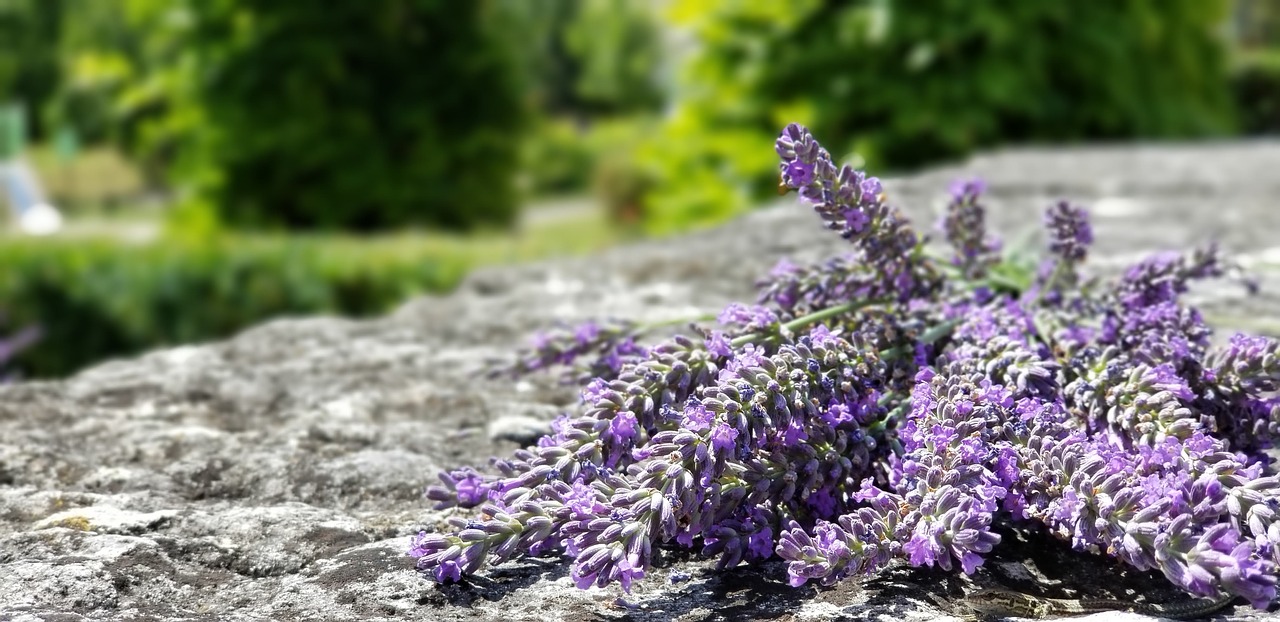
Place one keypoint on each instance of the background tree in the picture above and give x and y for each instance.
(360, 116)
(902, 84)
(30, 71)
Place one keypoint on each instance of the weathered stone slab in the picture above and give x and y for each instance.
(277, 475)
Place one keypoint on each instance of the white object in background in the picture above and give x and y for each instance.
(41, 219)
(34, 215)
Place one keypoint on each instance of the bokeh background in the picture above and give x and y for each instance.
(220, 162)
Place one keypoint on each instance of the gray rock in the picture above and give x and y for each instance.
(278, 475)
(519, 429)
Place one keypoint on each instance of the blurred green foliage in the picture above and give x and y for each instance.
(358, 116)
(902, 84)
(100, 299)
(84, 102)
(620, 178)
(30, 67)
(1256, 85)
(593, 63)
(287, 114)
(354, 116)
(589, 58)
(558, 158)
(1255, 24)
(617, 46)
(98, 179)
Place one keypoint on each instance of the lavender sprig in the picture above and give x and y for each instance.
(1070, 236)
(852, 203)
(590, 350)
(965, 228)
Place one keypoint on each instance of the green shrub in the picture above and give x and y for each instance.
(588, 58)
(702, 175)
(620, 178)
(905, 86)
(563, 158)
(29, 64)
(357, 115)
(616, 46)
(99, 299)
(557, 158)
(1256, 85)
(595, 65)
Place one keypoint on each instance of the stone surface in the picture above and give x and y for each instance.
(277, 475)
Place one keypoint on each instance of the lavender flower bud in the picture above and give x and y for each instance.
(1248, 364)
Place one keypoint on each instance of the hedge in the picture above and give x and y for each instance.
(360, 115)
(96, 299)
(1256, 86)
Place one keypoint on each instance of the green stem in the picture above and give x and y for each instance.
(880, 425)
(940, 331)
(991, 279)
(929, 336)
(1051, 282)
(705, 317)
(1002, 282)
(816, 316)
(941, 260)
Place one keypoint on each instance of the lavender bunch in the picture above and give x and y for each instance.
(880, 408)
(945, 500)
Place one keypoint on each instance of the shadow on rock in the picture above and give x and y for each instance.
(502, 581)
(762, 592)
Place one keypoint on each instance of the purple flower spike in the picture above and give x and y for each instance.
(962, 190)
(754, 318)
(1070, 233)
(885, 262)
(870, 189)
(965, 227)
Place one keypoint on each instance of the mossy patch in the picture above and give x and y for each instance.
(79, 523)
